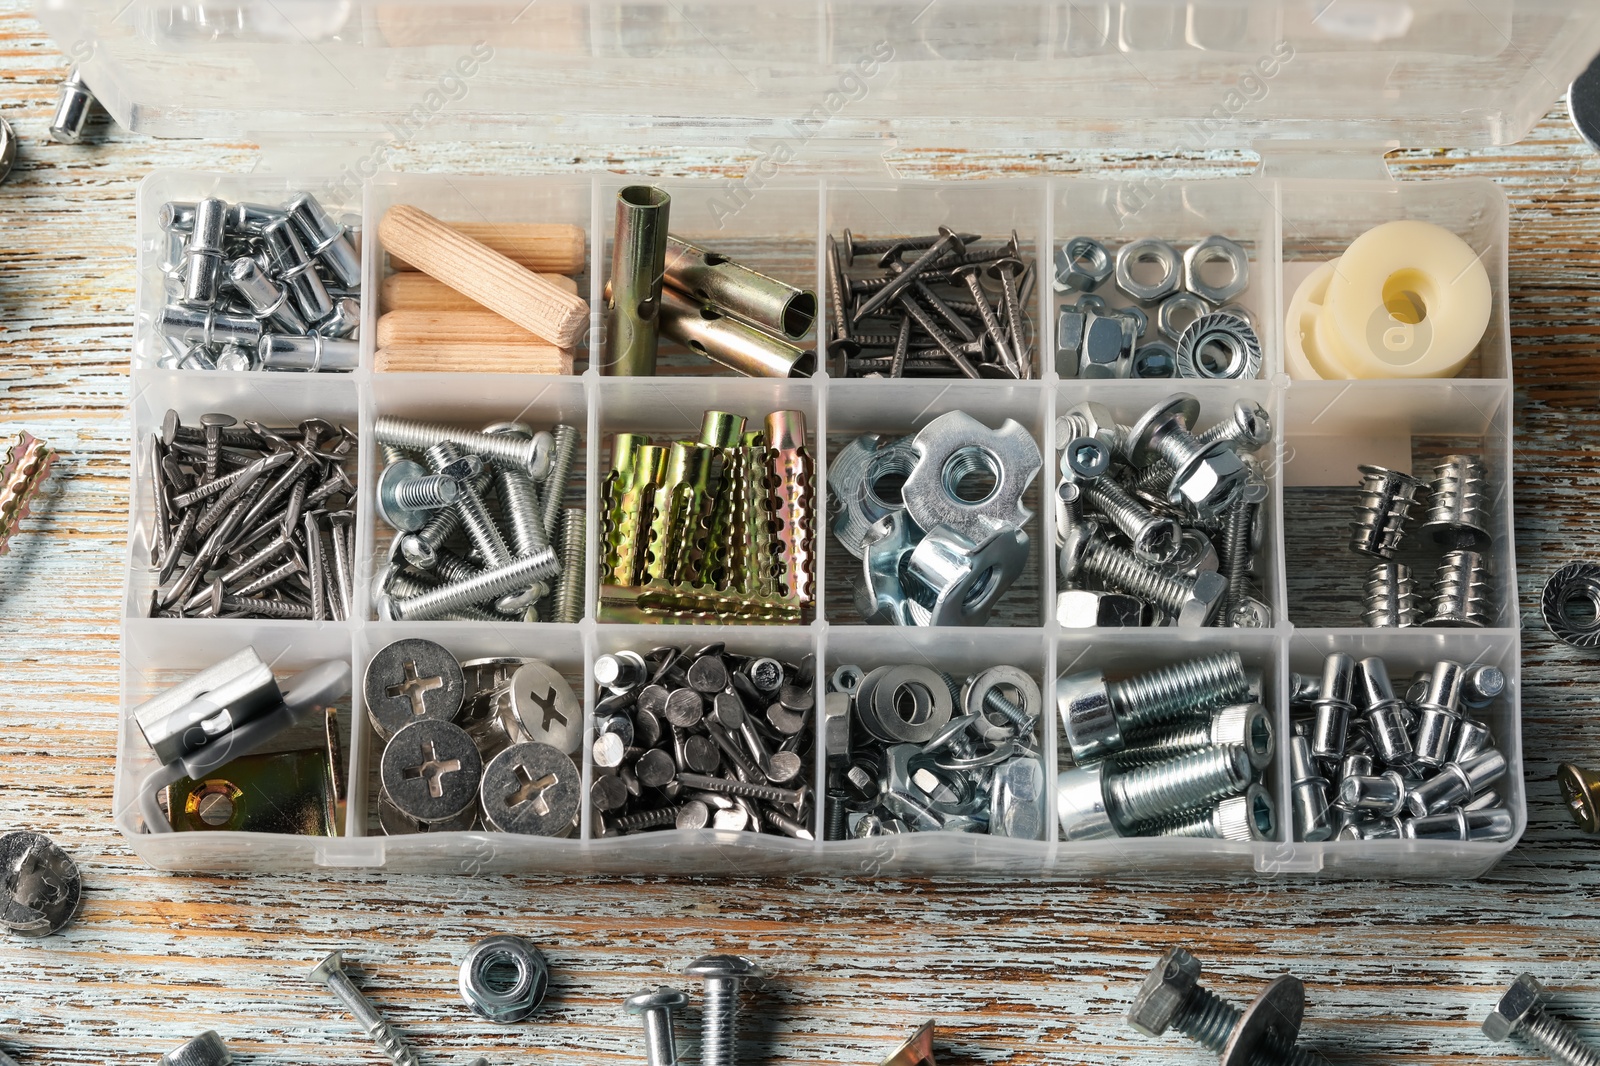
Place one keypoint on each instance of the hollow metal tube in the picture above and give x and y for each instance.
(737, 290)
(633, 295)
(729, 342)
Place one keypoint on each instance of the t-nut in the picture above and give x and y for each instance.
(1081, 804)
(1084, 703)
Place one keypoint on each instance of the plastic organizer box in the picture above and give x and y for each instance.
(1137, 76)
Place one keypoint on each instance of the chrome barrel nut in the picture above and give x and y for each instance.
(958, 581)
(1216, 249)
(955, 446)
(483, 978)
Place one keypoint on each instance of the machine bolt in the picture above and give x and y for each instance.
(722, 974)
(1520, 1013)
(1264, 1034)
(532, 454)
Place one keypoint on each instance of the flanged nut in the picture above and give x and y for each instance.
(1216, 249)
(1149, 250)
(504, 978)
(1082, 265)
(1219, 334)
(950, 450)
(1571, 604)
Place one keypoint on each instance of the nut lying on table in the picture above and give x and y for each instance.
(255, 287)
(252, 521)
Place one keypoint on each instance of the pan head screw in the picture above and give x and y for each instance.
(722, 974)
(656, 1007)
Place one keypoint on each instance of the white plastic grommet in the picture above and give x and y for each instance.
(1302, 359)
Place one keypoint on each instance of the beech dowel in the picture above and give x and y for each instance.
(544, 247)
(414, 291)
(468, 358)
(452, 327)
(484, 275)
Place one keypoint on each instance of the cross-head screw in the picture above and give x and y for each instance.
(722, 974)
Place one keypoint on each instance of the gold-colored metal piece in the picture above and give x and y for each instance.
(791, 476)
(756, 572)
(628, 516)
(677, 512)
(688, 604)
(338, 782)
(1580, 790)
(27, 464)
(917, 1050)
(286, 792)
(719, 429)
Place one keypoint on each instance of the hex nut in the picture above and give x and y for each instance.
(1216, 249)
(1154, 359)
(1206, 595)
(1179, 311)
(1082, 265)
(1164, 992)
(1148, 250)
(1517, 1002)
(504, 978)
(1104, 344)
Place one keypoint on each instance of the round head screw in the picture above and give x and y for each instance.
(1165, 992)
(722, 975)
(656, 1007)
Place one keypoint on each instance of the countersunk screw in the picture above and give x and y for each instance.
(1263, 1035)
(1519, 1013)
(656, 1007)
(330, 972)
(720, 1016)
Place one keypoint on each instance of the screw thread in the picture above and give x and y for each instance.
(1155, 480)
(1207, 1019)
(555, 484)
(1192, 687)
(644, 819)
(1120, 569)
(1390, 599)
(425, 493)
(1236, 554)
(522, 508)
(475, 516)
(367, 1016)
(747, 789)
(1178, 447)
(525, 452)
(1557, 1040)
(1461, 593)
(1152, 536)
(1382, 510)
(1228, 431)
(569, 593)
(390, 454)
(1159, 791)
(487, 585)
(719, 1022)
(995, 701)
(263, 608)
(1184, 740)
(438, 529)
(1200, 825)
(409, 585)
(837, 824)
(1458, 494)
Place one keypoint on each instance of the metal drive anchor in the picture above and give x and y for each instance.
(226, 711)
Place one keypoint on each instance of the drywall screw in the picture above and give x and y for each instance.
(1205, 1017)
(533, 455)
(569, 592)
(555, 483)
(1520, 1013)
(655, 1008)
(330, 973)
(1382, 511)
(722, 975)
(487, 585)
(792, 797)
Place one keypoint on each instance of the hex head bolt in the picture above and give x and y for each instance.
(1519, 1013)
(1263, 1034)
(1207, 477)
(532, 454)
(1438, 713)
(722, 975)
(1382, 510)
(1331, 727)
(655, 1008)
(1192, 601)
(331, 974)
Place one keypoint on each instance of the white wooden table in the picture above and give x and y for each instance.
(1018, 972)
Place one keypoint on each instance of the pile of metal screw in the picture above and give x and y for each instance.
(491, 737)
(1199, 331)
(946, 545)
(702, 738)
(1159, 525)
(450, 558)
(717, 529)
(1174, 752)
(900, 760)
(252, 521)
(1415, 768)
(1457, 520)
(292, 295)
(930, 311)
(1267, 1031)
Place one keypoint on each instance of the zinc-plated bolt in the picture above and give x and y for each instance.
(533, 454)
(207, 1049)
(487, 585)
(1185, 783)
(1262, 1035)
(395, 583)
(656, 1007)
(569, 593)
(407, 494)
(555, 484)
(1193, 601)
(330, 973)
(1154, 537)
(1250, 427)
(1520, 1013)
(722, 975)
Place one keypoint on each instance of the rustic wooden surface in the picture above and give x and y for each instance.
(1014, 972)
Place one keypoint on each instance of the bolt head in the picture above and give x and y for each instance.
(1164, 992)
(1251, 614)
(1086, 609)
(732, 967)
(1202, 604)
(1085, 459)
(418, 553)
(464, 469)
(324, 970)
(389, 508)
(1513, 1009)
(1081, 804)
(1084, 703)
(1074, 540)
(1211, 483)
(1102, 422)
(384, 608)
(1176, 412)
(659, 998)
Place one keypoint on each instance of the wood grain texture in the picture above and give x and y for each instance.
(546, 247)
(478, 271)
(447, 327)
(412, 291)
(1015, 972)
(466, 357)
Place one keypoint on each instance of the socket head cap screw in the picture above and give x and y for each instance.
(660, 998)
(1518, 1001)
(734, 967)
(1165, 991)
(1084, 703)
(1085, 459)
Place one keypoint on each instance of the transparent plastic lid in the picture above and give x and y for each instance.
(788, 76)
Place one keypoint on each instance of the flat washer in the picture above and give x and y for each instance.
(430, 770)
(532, 789)
(931, 715)
(410, 680)
(40, 887)
(1004, 677)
